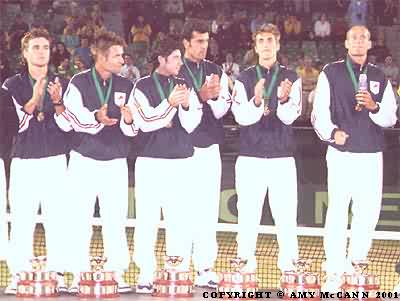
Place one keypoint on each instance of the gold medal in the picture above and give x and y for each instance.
(40, 116)
(266, 111)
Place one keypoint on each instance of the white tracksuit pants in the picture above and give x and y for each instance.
(254, 176)
(356, 176)
(166, 184)
(107, 180)
(205, 201)
(35, 182)
(3, 208)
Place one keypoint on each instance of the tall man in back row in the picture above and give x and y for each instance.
(267, 100)
(211, 86)
(351, 122)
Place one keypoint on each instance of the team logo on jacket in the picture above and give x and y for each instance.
(374, 87)
(119, 98)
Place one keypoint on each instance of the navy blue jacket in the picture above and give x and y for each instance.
(34, 139)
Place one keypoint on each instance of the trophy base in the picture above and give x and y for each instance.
(237, 282)
(365, 286)
(295, 282)
(37, 284)
(172, 283)
(98, 285)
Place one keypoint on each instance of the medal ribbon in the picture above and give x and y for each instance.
(197, 81)
(352, 74)
(160, 90)
(268, 91)
(100, 92)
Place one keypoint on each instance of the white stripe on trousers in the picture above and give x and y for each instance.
(107, 180)
(356, 177)
(35, 182)
(166, 184)
(205, 202)
(254, 176)
(3, 208)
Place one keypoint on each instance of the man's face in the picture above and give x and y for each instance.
(128, 60)
(38, 52)
(266, 46)
(84, 42)
(112, 60)
(172, 63)
(358, 41)
(196, 48)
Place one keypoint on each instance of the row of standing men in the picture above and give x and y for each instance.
(175, 115)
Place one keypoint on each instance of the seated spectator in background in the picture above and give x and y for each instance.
(293, 28)
(257, 22)
(129, 70)
(379, 50)
(141, 33)
(339, 29)
(69, 37)
(84, 52)
(391, 70)
(77, 65)
(309, 45)
(156, 43)
(216, 24)
(341, 7)
(231, 69)
(214, 53)
(308, 74)
(244, 37)
(16, 32)
(283, 60)
(322, 28)
(357, 12)
(64, 69)
(59, 54)
(174, 8)
(250, 58)
(298, 62)
(309, 78)
(372, 59)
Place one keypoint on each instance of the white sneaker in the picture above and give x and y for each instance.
(123, 287)
(144, 288)
(11, 288)
(145, 285)
(333, 284)
(61, 286)
(206, 278)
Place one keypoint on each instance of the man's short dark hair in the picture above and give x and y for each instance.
(164, 49)
(194, 25)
